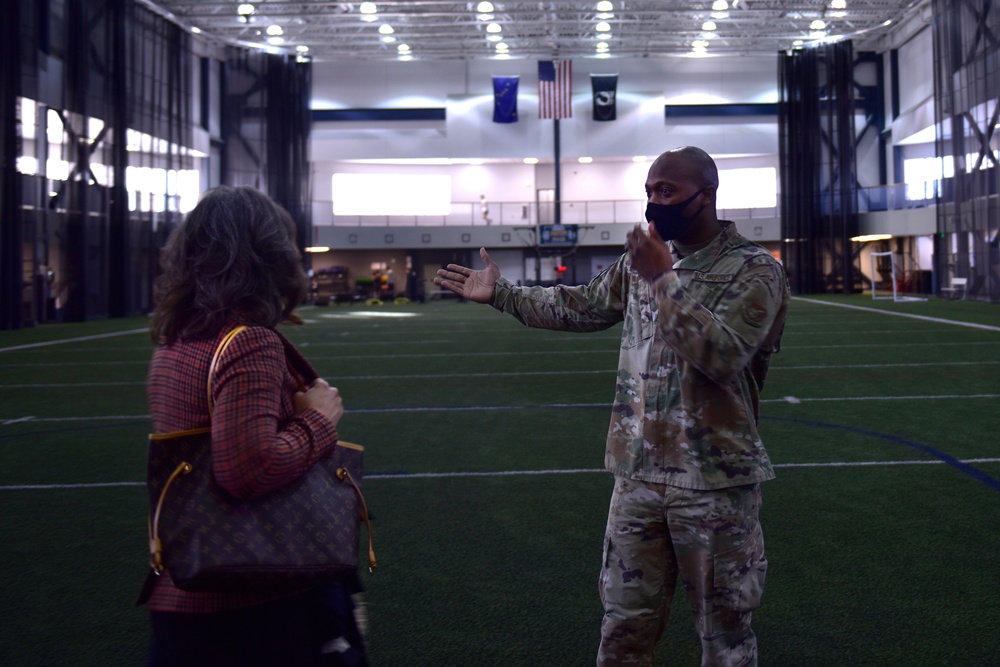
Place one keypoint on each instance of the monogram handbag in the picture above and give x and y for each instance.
(206, 540)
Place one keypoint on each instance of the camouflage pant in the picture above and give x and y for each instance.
(712, 540)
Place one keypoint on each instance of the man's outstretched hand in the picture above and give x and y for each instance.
(472, 285)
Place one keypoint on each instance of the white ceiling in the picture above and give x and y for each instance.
(336, 31)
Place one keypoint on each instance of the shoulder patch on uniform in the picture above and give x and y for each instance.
(754, 313)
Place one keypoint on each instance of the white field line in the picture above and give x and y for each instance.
(500, 473)
(363, 341)
(592, 337)
(547, 406)
(72, 340)
(608, 351)
(489, 374)
(925, 318)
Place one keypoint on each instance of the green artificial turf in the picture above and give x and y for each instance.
(882, 544)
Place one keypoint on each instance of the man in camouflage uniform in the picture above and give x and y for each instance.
(702, 317)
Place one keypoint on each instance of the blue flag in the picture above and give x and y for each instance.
(505, 99)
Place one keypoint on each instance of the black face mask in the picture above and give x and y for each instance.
(669, 220)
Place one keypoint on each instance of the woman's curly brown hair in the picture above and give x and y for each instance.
(233, 256)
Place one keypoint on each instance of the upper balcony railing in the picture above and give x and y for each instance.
(895, 197)
(534, 213)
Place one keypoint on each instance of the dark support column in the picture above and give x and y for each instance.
(11, 227)
(818, 172)
(79, 264)
(121, 279)
(557, 216)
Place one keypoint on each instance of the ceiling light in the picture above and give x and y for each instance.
(720, 15)
(602, 45)
(700, 44)
(494, 28)
(403, 48)
(838, 4)
(603, 54)
(494, 38)
(818, 24)
(275, 30)
(887, 22)
(817, 34)
(302, 48)
(484, 17)
(368, 8)
(605, 6)
(604, 16)
(406, 56)
(246, 9)
(699, 49)
(196, 30)
(317, 248)
(797, 42)
(301, 59)
(603, 26)
(864, 238)
(502, 56)
(720, 6)
(530, 160)
(485, 8)
(502, 48)
(275, 40)
(388, 39)
(385, 29)
(836, 15)
(585, 160)
(708, 26)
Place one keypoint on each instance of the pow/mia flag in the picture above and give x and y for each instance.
(605, 87)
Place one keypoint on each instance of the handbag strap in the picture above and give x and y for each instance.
(223, 344)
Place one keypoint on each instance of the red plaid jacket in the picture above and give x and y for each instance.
(259, 443)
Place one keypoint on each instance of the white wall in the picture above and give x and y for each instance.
(464, 89)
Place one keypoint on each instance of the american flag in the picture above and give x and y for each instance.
(555, 88)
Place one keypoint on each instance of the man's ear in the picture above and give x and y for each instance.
(708, 195)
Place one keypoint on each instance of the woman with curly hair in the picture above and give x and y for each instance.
(233, 261)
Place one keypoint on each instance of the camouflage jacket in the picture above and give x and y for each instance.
(695, 349)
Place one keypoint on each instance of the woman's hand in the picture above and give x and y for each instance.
(323, 398)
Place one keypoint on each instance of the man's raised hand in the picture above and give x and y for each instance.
(468, 283)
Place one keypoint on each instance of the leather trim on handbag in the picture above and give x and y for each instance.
(155, 546)
(180, 434)
(344, 473)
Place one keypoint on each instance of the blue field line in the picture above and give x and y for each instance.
(28, 419)
(494, 473)
(961, 466)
